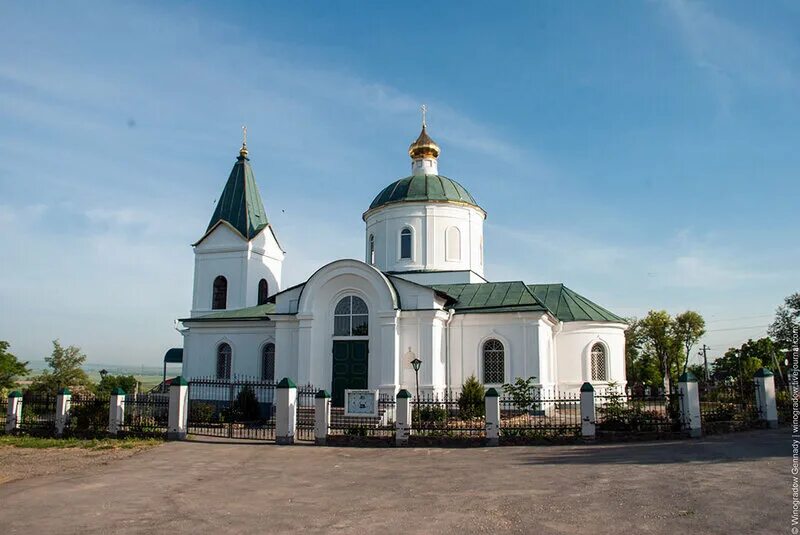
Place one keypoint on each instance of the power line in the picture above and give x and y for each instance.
(738, 328)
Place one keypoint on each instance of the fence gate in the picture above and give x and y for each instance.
(304, 431)
(236, 408)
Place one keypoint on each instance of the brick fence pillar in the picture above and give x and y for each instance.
(14, 414)
(402, 423)
(690, 404)
(322, 417)
(285, 411)
(765, 389)
(63, 400)
(492, 401)
(177, 425)
(588, 426)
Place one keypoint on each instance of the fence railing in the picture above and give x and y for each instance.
(783, 402)
(382, 426)
(38, 414)
(87, 416)
(3, 414)
(544, 414)
(621, 413)
(306, 396)
(146, 415)
(729, 407)
(239, 408)
(440, 415)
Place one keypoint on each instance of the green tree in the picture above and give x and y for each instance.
(741, 364)
(523, 393)
(659, 340)
(688, 328)
(787, 322)
(109, 382)
(65, 370)
(10, 367)
(470, 402)
(641, 367)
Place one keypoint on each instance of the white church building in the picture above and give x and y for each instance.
(419, 292)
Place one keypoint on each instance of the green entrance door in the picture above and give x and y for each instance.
(349, 368)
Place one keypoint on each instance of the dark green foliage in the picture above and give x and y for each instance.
(89, 417)
(108, 383)
(523, 393)
(10, 367)
(246, 407)
(65, 370)
(429, 415)
(471, 403)
(201, 413)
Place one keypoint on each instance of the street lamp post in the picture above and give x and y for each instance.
(416, 363)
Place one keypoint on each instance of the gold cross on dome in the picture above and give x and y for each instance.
(244, 136)
(424, 109)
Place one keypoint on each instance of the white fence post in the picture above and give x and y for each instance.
(492, 401)
(690, 404)
(14, 413)
(116, 411)
(286, 411)
(402, 424)
(63, 399)
(588, 426)
(178, 409)
(322, 417)
(767, 405)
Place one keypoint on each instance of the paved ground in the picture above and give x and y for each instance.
(728, 484)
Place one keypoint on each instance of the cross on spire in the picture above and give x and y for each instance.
(243, 150)
(424, 109)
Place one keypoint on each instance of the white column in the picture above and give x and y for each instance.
(116, 411)
(765, 389)
(14, 413)
(492, 401)
(322, 417)
(178, 409)
(402, 424)
(690, 404)
(63, 399)
(286, 411)
(588, 428)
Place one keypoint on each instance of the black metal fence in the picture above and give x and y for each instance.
(87, 415)
(3, 414)
(446, 415)
(620, 414)
(240, 408)
(146, 415)
(368, 428)
(306, 399)
(541, 415)
(729, 406)
(38, 414)
(783, 402)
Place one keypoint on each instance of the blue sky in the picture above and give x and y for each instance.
(645, 154)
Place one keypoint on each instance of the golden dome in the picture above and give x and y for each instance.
(423, 147)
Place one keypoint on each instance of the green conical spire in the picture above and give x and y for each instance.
(240, 203)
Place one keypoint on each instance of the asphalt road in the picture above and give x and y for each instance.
(736, 483)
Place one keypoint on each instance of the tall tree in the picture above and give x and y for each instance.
(10, 367)
(65, 370)
(787, 322)
(659, 340)
(641, 366)
(688, 328)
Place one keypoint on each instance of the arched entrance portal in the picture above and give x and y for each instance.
(350, 347)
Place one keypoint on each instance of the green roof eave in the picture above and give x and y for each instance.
(256, 313)
(568, 305)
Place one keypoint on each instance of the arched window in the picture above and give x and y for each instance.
(351, 317)
(268, 362)
(405, 243)
(453, 244)
(371, 256)
(494, 362)
(219, 299)
(263, 291)
(224, 361)
(599, 368)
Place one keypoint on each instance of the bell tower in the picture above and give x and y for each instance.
(238, 260)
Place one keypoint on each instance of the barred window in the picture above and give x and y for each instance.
(219, 298)
(494, 368)
(224, 361)
(263, 291)
(351, 317)
(405, 243)
(598, 356)
(268, 362)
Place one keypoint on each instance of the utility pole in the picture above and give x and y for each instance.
(703, 351)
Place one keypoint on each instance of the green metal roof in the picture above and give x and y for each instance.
(423, 188)
(492, 297)
(260, 312)
(568, 305)
(240, 203)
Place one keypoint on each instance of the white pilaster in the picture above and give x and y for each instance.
(322, 417)
(492, 400)
(588, 428)
(765, 389)
(178, 409)
(14, 413)
(286, 411)
(690, 404)
(63, 399)
(116, 411)
(402, 417)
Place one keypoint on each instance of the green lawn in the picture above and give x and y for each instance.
(92, 443)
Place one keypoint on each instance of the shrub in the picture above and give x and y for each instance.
(471, 403)
(429, 415)
(523, 393)
(90, 416)
(246, 407)
(200, 412)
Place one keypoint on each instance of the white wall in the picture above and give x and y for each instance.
(429, 223)
(574, 344)
(246, 339)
